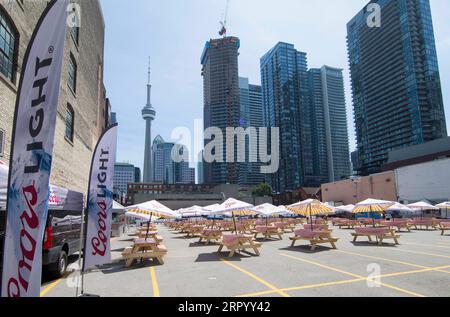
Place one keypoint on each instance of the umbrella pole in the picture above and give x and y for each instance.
(234, 222)
(148, 226)
(310, 217)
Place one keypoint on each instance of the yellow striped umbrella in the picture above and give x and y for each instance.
(310, 207)
(372, 206)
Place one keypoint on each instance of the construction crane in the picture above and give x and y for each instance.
(223, 29)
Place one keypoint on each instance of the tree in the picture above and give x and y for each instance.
(262, 190)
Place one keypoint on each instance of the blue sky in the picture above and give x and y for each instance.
(173, 33)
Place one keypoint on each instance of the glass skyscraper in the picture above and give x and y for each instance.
(249, 172)
(396, 85)
(328, 124)
(309, 108)
(284, 88)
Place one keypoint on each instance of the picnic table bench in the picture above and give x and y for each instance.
(285, 227)
(427, 223)
(194, 231)
(151, 234)
(379, 233)
(238, 242)
(444, 226)
(397, 224)
(267, 231)
(345, 223)
(144, 249)
(210, 235)
(314, 237)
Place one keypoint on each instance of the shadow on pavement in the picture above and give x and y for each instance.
(217, 257)
(306, 249)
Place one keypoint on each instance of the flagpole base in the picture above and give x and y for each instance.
(88, 295)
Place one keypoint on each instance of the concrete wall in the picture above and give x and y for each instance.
(71, 160)
(430, 181)
(377, 186)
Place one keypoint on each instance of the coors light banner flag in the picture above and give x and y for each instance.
(31, 154)
(97, 249)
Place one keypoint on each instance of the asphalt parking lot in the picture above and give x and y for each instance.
(419, 267)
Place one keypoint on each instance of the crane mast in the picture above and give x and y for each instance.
(223, 30)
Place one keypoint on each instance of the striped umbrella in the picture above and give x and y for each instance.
(372, 206)
(310, 207)
(149, 210)
(235, 207)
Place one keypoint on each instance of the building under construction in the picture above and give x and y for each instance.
(221, 101)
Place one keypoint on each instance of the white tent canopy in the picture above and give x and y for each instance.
(232, 205)
(269, 210)
(444, 205)
(194, 211)
(117, 207)
(399, 207)
(370, 201)
(150, 210)
(346, 208)
(422, 205)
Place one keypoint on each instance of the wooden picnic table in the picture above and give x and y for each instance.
(380, 233)
(267, 231)
(238, 242)
(314, 238)
(210, 235)
(151, 234)
(144, 249)
(444, 226)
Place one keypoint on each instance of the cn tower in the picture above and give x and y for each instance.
(148, 114)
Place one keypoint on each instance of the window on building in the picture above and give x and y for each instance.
(70, 123)
(2, 142)
(75, 33)
(8, 46)
(72, 73)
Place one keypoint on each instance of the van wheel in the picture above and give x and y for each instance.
(59, 268)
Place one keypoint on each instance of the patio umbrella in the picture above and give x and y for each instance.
(446, 206)
(310, 207)
(149, 210)
(372, 206)
(269, 210)
(422, 206)
(346, 208)
(195, 212)
(234, 206)
(399, 207)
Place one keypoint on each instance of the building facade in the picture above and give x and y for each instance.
(82, 110)
(328, 123)
(284, 81)
(251, 117)
(124, 174)
(165, 169)
(397, 96)
(221, 101)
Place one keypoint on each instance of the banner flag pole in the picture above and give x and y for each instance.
(98, 215)
(31, 154)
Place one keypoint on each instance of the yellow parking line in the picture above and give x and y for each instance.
(428, 245)
(256, 278)
(154, 282)
(49, 287)
(389, 260)
(311, 286)
(422, 253)
(354, 275)
(303, 287)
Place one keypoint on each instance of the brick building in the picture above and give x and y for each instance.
(83, 110)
